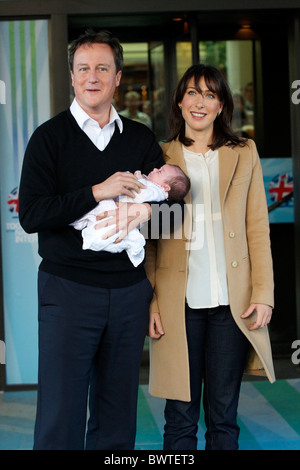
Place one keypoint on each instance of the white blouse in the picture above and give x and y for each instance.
(206, 283)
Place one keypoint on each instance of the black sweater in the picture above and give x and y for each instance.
(60, 166)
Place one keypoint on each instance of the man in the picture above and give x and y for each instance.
(93, 306)
(132, 103)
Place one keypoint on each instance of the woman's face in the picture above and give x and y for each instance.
(199, 108)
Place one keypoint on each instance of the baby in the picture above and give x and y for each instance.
(168, 182)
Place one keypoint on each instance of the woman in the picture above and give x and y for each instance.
(213, 285)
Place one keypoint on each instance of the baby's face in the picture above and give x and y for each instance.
(162, 175)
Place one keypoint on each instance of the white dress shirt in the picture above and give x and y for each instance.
(99, 137)
(206, 283)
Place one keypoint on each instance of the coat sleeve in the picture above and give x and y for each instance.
(258, 236)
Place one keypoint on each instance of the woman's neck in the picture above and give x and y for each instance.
(202, 142)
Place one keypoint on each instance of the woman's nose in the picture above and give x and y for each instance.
(200, 100)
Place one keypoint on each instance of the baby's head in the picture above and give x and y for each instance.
(172, 179)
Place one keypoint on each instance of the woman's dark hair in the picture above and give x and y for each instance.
(216, 83)
(101, 37)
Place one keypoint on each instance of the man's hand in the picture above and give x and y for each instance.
(264, 314)
(155, 326)
(126, 218)
(116, 185)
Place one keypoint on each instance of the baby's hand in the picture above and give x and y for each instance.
(138, 174)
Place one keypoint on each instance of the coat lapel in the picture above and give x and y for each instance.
(228, 159)
(173, 151)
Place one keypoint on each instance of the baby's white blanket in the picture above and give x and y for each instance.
(134, 241)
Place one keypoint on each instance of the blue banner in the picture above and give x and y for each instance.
(24, 75)
(279, 186)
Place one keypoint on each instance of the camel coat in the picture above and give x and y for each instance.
(248, 264)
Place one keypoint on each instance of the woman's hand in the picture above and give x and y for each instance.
(127, 217)
(264, 315)
(155, 326)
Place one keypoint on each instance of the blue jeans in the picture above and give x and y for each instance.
(217, 354)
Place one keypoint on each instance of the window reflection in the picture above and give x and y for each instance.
(132, 97)
(158, 88)
(183, 57)
(235, 58)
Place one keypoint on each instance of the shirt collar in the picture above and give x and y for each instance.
(82, 117)
(209, 154)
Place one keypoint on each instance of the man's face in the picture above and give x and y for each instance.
(94, 78)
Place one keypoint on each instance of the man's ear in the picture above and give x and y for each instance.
(118, 78)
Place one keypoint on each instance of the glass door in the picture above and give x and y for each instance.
(235, 59)
(158, 89)
(132, 96)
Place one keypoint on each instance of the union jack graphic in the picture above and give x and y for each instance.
(13, 201)
(280, 186)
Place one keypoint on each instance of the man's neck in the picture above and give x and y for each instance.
(101, 116)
